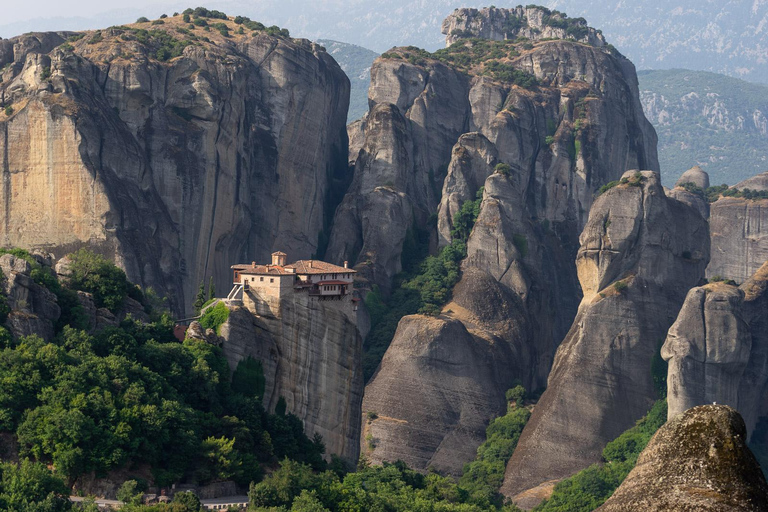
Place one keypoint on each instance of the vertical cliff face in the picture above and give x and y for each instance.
(175, 167)
(311, 356)
(566, 115)
(640, 252)
(697, 461)
(541, 137)
(717, 349)
(739, 230)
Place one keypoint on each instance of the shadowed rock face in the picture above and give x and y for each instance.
(640, 252)
(519, 293)
(175, 169)
(697, 461)
(739, 229)
(717, 349)
(311, 356)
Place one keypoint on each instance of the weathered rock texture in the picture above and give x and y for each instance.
(640, 253)
(532, 22)
(176, 168)
(695, 175)
(739, 230)
(432, 126)
(717, 349)
(311, 356)
(698, 461)
(34, 309)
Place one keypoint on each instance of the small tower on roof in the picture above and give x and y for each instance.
(279, 258)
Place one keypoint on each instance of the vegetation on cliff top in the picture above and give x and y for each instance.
(712, 194)
(168, 37)
(480, 57)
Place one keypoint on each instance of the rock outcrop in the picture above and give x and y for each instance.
(454, 370)
(438, 123)
(640, 253)
(717, 349)
(532, 22)
(695, 175)
(739, 230)
(176, 152)
(539, 153)
(311, 356)
(33, 308)
(698, 461)
(759, 182)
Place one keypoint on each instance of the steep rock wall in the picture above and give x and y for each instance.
(717, 349)
(640, 253)
(174, 168)
(580, 128)
(311, 356)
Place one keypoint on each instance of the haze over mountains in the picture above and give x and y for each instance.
(711, 35)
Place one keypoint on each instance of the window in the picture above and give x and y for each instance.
(271, 279)
(252, 279)
(260, 279)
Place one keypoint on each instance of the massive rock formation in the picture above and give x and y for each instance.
(698, 461)
(718, 349)
(559, 141)
(739, 229)
(580, 128)
(311, 356)
(532, 22)
(176, 152)
(640, 253)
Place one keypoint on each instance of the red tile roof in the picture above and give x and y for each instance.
(300, 267)
(318, 267)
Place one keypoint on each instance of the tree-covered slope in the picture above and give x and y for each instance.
(712, 120)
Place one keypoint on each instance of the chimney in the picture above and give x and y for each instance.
(253, 263)
(310, 263)
(346, 264)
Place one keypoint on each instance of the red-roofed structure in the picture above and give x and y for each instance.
(265, 286)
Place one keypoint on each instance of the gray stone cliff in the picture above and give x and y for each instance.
(174, 168)
(433, 126)
(640, 253)
(532, 22)
(311, 356)
(717, 349)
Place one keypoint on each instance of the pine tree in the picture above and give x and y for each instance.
(211, 289)
(200, 298)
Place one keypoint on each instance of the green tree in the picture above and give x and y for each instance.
(211, 289)
(30, 486)
(200, 298)
(91, 272)
(186, 501)
(129, 493)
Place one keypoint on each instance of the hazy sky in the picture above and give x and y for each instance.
(13, 11)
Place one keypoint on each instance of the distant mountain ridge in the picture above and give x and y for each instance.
(356, 62)
(729, 37)
(717, 122)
